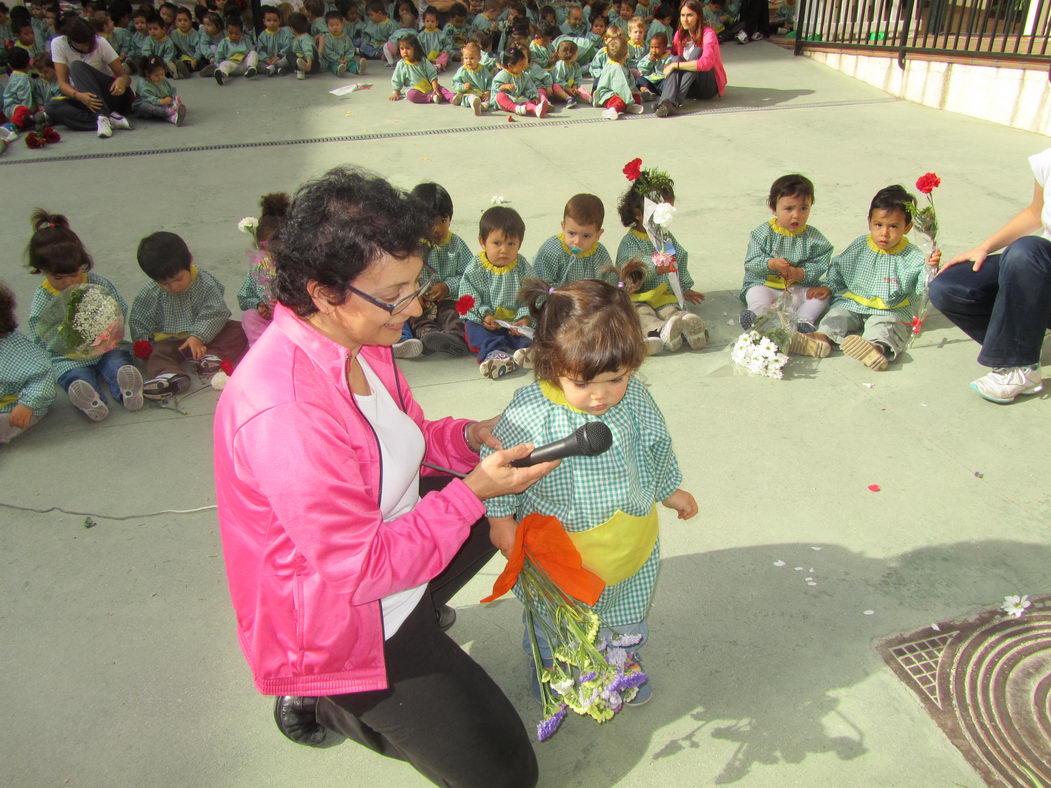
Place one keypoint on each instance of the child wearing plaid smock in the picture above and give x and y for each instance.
(606, 502)
(27, 384)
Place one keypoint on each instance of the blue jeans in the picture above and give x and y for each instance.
(105, 368)
(483, 341)
(1005, 306)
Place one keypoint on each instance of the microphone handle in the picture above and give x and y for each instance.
(567, 447)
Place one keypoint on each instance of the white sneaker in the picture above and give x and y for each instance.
(83, 397)
(671, 333)
(694, 331)
(742, 37)
(361, 65)
(341, 69)
(301, 64)
(653, 345)
(476, 104)
(271, 70)
(118, 121)
(300, 74)
(104, 127)
(542, 108)
(757, 36)
(1005, 384)
(635, 109)
(520, 109)
(130, 381)
(457, 99)
(523, 357)
(496, 365)
(408, 348)
(610, 114)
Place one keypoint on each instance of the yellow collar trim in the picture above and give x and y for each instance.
(495, 269)
(567, 250)
(640, 234)
(444, 242)
(193, 273)
(47, 288)
(896, 249)
(554, 394)
(782, 231)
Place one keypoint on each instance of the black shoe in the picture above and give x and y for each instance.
(663, 109)
(220, 77)
(296, 718)
(446, 617)
(441, 342)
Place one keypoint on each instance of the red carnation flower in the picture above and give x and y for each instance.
(464, 304)
(928, 183)
(633, 169)
(226, 366)
(142, 349)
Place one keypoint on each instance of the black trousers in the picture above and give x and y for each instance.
(441, 711)
(755, 17)
(681, 85)
(76, 116)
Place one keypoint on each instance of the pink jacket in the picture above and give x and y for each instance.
(297, 475)
(711, 58)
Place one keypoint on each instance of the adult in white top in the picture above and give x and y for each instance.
(93, 82)
(1003, 301)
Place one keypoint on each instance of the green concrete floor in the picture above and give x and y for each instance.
(119, 654)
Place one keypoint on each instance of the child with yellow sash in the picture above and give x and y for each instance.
(606, 503)
(664, 324)
(786, 253)
(875, 282)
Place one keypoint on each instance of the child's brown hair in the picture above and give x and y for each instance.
(583, 329)
(585, 209)
(8, 323)
(54, 248)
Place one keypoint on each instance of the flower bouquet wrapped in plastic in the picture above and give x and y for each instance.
(657, 215)
(763, 349)
(83, 322)
(588, 675)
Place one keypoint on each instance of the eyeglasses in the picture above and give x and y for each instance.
(427, 274)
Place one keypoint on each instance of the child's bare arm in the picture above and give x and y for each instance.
(682, 502)
(502, 533)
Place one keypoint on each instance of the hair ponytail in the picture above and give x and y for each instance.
(54, 248)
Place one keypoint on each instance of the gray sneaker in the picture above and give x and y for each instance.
(1005, 384)
(408, 348)
(83, 397)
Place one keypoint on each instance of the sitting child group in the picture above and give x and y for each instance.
(860, 301)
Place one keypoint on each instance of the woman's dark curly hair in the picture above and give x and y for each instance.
(8, 323)
(337, 226)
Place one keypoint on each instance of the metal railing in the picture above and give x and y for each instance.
(989, 29)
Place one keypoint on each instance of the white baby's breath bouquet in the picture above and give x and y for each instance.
(83, 322)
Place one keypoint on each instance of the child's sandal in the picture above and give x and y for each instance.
(864, 351)
(165, 385)
(802, 345)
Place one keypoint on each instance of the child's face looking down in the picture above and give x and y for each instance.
(335, 26)
(234, 34)
(501, 250)
(888, 227)
(440, 229)
(61, 281)
(792, 212)
(405, 50)
(179, 283)
(580, 237)
(598, 395)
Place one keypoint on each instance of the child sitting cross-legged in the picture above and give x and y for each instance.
(873, 282)
(183, 317)
(492, 281)
(234, 55)
(575, 253)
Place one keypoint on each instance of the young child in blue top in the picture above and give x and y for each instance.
(435, 45)
(160, 44)
(315, 11)
(574, 24)
(377, 30)
(19, 100)
(304, 52)
(471, 81)
(492, 281)
(662, 22)
(567, 76)
(874, 284)
(651, 68)
(415, 75)
(440, 327)
(336, 51)
(615, 88)
(234, 55)
(57, 252)
(513, 90)
(274, 44)
(155, 95)
(353, 25)
(208, 40)
(186, 41)
(456, 30)
(27, 382)
(576, 252)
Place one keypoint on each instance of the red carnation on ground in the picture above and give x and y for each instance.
(464, 304)
(226, 366)
(633, 169)
(928, 183)
(142, 349)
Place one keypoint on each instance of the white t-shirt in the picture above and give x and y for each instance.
(401, 450)
(1041, 164)
(99, 58)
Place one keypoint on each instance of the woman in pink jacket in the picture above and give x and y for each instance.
(696, 67)
(340, 558)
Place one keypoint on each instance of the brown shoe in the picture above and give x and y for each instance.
(803, 345)
(864, 351)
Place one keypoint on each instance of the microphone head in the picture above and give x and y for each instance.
(594, 438)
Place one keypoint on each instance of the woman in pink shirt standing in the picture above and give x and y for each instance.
(696, 67)
(340, 557)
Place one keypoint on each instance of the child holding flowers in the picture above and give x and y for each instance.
(587, 348)
(57, 252)
(254, 296)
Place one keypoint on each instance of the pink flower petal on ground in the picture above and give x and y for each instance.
(874, 487)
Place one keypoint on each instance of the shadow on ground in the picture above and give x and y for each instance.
(721, 686)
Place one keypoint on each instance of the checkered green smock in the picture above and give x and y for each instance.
(450, 259)
(807, 248)
(26, 377)
(870, 281)
(637, 243)
(583, 492)
(557, 265)
(43, 296)
(198, 311)
(495, 290)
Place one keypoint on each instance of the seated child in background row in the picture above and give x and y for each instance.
(211, 35)
(160, 44)
(58, 253)
(492, 280)
(155, 94)
(377, 30)
(415, 75)
(440, 328)
(615, 88)
(273, 44)
(254, 298)
(588, 348)
(576, 252)
(786, 253)
(432, 39)
(873, 282)
(233, 55)
(513, 90)
(304, 53)
(664, 324)
(186, 41)
(336, 49)
(471, 81)
(27, 382)
(456, 30)
(567, 76)
(651, 68)
(20, 103)
(183, 315)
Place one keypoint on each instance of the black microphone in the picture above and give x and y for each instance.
(591, 439)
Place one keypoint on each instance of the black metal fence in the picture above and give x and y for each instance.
(993, 29)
